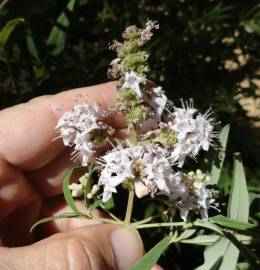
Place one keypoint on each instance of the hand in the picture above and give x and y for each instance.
(32, 168)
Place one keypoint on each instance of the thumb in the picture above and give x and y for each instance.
(93, 247)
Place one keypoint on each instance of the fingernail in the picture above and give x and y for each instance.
(127, 245)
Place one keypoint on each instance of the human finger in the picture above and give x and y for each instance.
(95, 247)
(27, 130)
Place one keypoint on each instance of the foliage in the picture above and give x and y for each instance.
(207, 51)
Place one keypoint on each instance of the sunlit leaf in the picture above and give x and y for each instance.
(245, 251)
(238, 206)
(231, 223)
(202, 240)
(150, 258)
(221, 255)
(224, 254)
(208, 225)
(186, 234)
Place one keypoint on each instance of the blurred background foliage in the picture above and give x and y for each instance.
(207, 50)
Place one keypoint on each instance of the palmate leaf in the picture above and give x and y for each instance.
(7, 30)
(57, 35)
(150, 258)
(224, 253)
(216, 168)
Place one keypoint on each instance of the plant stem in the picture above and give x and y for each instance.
(150, 218)
(3, 3)
(165, 224)
(106, 220)
(111, 214)
(129, 208)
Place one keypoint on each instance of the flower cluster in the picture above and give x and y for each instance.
(83, 128)
(165, 137)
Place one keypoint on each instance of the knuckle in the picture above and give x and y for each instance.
(77, 254)
(84, 254)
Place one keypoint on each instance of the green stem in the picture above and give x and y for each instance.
(165, 224)
(106, 220)
(111, 214)
(150, 218)
(129, 208)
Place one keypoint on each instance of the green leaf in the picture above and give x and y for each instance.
(204, 240)
(216, 168)
(246, 252)
(231, 223)
(243, 266)
(96, 204)
(186, 234)
(222, 255)
(208, 225)
(31, 45)
(57, 36)
(7, 30)
(150, 258)
(48, 219)
(110, 204)
(67, 193)
(238, 206)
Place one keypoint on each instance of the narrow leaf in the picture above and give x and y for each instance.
(31, 46)
(216, 168)
(48, 219)
(231, 223)
(186, 234)
(246, 252)
(57, 36)
(7, 30)
(150, 258)
(96, 204)
(204, 240)
(238, 206)
(221, 255)
(208, 225)
(67, 193)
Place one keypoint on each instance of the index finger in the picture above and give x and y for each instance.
(27, 130)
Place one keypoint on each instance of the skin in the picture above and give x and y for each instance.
(32, 168)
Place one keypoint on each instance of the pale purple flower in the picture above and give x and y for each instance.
(193, 133)
(158, 101)
(146, 168)
(191, 193)
(76, 129)
(133, 81)
(147, 33)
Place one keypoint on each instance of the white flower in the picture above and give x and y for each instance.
(193, 133)
(191, 193)
(145, 168)
(132, 81)
(158, 101)
(77, 126)
(146, 33)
